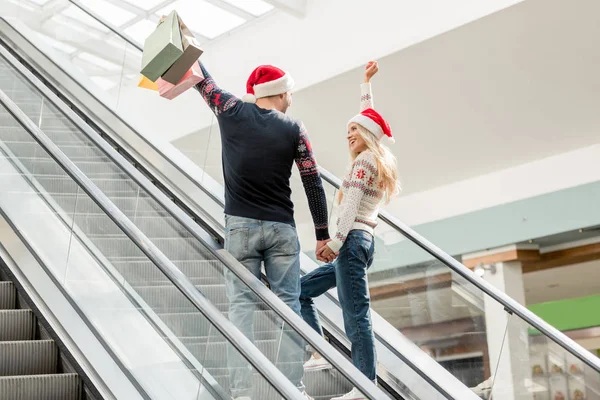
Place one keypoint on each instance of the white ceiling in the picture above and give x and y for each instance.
(579, 280)
(514, 87)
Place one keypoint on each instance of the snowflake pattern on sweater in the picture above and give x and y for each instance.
(361, 198)
(362, 191)
(218, 100)
(313, 186)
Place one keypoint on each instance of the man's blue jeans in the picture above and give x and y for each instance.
(253, 242)
(349, 273)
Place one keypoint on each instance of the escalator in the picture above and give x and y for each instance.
(111, 237)
(30, 367)
(404, 371)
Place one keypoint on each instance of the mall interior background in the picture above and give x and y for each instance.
(494, 107)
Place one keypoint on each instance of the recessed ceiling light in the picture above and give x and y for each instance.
(109, 12)
(254, 7)
(203, 17)
(145, 4)
(78, 15)
(141, 30)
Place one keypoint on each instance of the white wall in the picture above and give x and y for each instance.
(532, 179)
(334, 36)
(337, 35)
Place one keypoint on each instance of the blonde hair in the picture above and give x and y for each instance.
(387, 172)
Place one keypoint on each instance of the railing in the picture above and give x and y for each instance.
(509, 304)
(316, 341)
(224, 326)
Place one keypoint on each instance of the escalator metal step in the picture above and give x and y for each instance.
(38, 166)
(41, 387)
(96, 226)
(16, 325)
(144, 271)
(33, 149)
(8, 296)
(174, 248)
(28, 357)
(193, 327)
(13, 132)
(131, 206)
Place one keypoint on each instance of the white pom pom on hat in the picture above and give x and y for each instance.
(249, 98)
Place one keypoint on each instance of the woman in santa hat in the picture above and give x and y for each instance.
(371, 181)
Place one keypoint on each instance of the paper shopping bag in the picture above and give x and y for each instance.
(191, 52)
(147, 83)
(162, 48)
(189, 80)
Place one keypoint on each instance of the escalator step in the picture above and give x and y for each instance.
(28, 357)
(74, 152)
(40, 387)
(8, 296)
(193, 327)
(144, 271)
(16, 325)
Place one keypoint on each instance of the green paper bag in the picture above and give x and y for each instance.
(162, 48)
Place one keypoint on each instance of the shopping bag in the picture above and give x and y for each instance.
(189, 80)
(191, 52)
(147, 83)
(162, 48)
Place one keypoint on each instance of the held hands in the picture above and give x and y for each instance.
(323, 252)
(371, 69)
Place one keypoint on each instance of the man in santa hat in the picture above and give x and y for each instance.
(260, 144)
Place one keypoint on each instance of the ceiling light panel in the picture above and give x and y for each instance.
(109, 12)
(141, 30)
(203, 17)
(146, 5)
(254, 7)
(77, 14)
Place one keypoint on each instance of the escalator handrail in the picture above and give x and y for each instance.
(511, 305)
(260, 362)
(296, 322)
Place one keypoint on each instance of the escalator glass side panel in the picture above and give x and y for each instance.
(456, 323)
(273, 337)
(169, 347)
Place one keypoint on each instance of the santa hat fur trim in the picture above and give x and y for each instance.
(266, 81)
(372, 121)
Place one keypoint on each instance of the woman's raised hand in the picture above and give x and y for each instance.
(370, 70)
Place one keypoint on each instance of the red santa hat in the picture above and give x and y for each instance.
(372, 121)
(265, 81)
